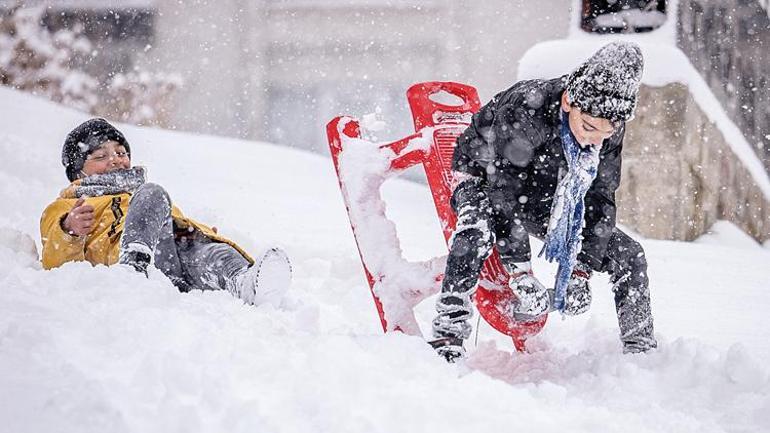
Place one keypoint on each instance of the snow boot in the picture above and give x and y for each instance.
(266, 281)
(639, 345)
(136, 255)
(533, 299)
(449, 348)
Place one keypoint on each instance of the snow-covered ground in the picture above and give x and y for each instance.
(86, 349)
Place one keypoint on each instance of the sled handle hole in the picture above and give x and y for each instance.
(445, 98)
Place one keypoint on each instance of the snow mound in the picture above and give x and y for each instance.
(94, 349)
(725, 233)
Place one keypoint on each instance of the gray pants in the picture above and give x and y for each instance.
(479, 228)
(190, 259)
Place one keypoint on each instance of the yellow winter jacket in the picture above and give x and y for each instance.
(102, 245)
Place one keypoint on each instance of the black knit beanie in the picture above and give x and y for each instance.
(606, 85)
(86, 138)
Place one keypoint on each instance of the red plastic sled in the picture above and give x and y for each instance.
(362, 167)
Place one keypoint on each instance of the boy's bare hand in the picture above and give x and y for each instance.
(80, 219)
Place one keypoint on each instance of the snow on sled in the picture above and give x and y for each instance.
(396, 284)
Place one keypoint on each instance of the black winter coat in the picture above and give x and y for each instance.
(513, 144)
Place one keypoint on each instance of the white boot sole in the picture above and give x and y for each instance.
(273, 277)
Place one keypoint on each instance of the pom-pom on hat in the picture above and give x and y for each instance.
(86, 138)
(606, 85)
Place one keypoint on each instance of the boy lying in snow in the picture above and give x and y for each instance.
(109, 214)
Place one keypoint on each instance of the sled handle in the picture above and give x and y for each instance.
(349, 127)
(424, 109)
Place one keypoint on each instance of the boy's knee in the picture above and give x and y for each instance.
(472, 241)
(152, 189)
(154, 193)
(636, 257)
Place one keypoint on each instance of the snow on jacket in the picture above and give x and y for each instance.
(102, 245)
(514, 145)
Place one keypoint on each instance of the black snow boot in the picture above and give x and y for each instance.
(137, 258)
(449, 348)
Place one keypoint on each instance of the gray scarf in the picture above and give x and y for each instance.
(115, 182)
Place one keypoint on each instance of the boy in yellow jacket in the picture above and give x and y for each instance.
(109, 214)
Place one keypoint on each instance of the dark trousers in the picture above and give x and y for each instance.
(480, 228)
(190, 260)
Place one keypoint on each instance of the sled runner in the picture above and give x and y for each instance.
(362, 167)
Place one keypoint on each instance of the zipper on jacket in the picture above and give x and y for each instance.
(117, 212)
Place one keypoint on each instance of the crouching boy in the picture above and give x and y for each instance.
(543, 158)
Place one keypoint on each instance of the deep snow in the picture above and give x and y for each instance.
(103, 349)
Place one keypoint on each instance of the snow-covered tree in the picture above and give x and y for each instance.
(139, 97)
(50, 63)
(36, 60)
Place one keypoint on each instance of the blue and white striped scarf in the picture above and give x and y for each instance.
(563, 240)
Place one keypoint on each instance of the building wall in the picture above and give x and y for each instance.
(680, 175)
(728, 41)
(279, 70)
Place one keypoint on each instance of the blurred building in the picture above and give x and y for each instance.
(279, 70)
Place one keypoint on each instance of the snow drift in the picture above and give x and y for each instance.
(102, 349)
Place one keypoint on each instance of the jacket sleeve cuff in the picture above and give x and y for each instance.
(591, 262)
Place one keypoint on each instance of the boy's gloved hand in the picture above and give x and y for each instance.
(577, 300)
(533, 297)
(80, 219)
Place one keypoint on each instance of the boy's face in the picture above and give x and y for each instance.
(588, 130)
(110, 156)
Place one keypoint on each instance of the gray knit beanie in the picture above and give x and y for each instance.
(606, 85)
(86, 138)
